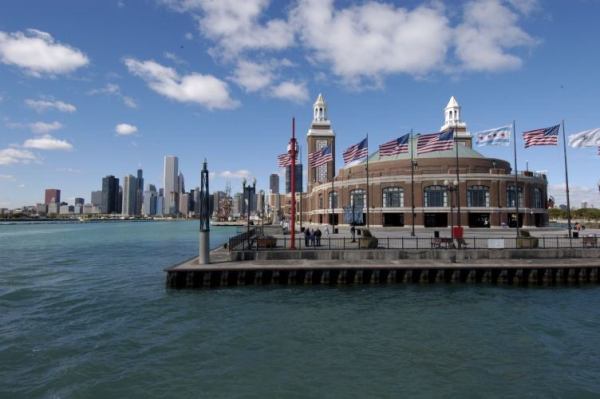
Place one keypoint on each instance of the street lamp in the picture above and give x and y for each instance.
(451, 186)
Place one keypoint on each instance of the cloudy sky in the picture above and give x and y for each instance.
(95, 88)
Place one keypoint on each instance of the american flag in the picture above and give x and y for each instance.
(435, 141)
(396, 146)
(284, 160)
(547, 136)
(356, 151)
(320, 157)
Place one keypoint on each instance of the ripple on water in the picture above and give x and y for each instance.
(84, 313)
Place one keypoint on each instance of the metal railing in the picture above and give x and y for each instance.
(255, 243)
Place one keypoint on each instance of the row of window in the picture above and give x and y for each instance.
(436, 196)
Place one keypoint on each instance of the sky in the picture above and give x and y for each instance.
(89, 89)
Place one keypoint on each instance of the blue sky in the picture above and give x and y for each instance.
(95, 88)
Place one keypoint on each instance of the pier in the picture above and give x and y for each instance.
(248, 266)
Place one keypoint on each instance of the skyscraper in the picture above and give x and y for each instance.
(288, 179)
(139, 192)
(79, 201)
(130, 188)
(110, 195)
(171, 185)
(150, 201)
(274, 183)
(180, 183)
(52, 195)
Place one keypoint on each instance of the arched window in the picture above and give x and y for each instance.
(358, 198)
(320, 201)
(537, 198)
(435, 196)
(511, 197)
(478, 196)
(393, 197)
(333, 200)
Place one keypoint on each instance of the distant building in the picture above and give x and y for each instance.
(52, 195)
(160, 205)
(288, 179)
(41, 209)
(184, 204)
(260, 203)
(67, 209)
(139, 192)
(79, 201)
(53, 208)
(96, 197)
(78, 209)
(130, 187)
(180, 183)
(110, 195)
(90, 209)
(171, 185)
(150, 201)
(274, 184)
(249, 199)
(237, 206)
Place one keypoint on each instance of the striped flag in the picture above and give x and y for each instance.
(284, 160)
(544, 136)
(497, 136)
(587, 138)
(320, 157)
(396, 146)
(356, 151)
(435, 142)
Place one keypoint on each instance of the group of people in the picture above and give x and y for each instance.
(312, 237)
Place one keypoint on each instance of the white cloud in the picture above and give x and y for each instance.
(189, 36)
(10, 156)
(488, 31)
(7, 177)
(292, 91)
(38, 53)
(45, 127)
(373, 39)
(577, 194)
(237, 174)
(44, 105)
(525, 6)
(48, 142)
(205, 90)
(236, 25)
(253, 76)
(125, 129)
(170, 56)
(112, 89)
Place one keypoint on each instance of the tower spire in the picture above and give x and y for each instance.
(320, 109)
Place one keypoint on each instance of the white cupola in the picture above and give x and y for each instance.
(320, 109)
(452, 117)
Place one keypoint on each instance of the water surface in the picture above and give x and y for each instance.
(84, 313)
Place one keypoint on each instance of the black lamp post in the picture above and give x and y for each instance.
(451, 187)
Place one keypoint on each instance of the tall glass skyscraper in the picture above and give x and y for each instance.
(171, 180)
(110, 195)
(130, 188)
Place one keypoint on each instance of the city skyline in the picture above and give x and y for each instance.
(91, 111)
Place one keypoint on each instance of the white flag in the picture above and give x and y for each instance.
(587, 138)
(497, 136)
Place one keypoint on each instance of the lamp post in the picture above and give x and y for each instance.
(204, 238)
(451, 187)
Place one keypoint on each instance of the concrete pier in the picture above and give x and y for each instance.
(363, 267)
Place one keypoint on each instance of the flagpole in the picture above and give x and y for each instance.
(332, 196)
(567, 185)
(368, 180)
(516, 177)
(412, 182)
(457, 183)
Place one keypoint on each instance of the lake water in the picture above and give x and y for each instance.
(84, 313)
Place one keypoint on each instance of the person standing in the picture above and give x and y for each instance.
(307, 237)
(318, 237)
(353, 233)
